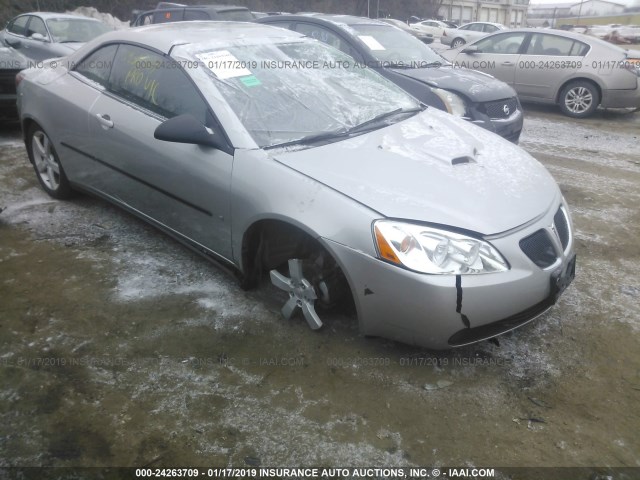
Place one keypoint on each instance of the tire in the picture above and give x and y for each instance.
(46, 164)
(457, 42)
(579, 99)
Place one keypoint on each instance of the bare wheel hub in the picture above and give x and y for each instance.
(302, 295)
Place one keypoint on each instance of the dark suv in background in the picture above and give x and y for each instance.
(414, 67)
(180, 13)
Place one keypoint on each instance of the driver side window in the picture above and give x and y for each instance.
(508, 43)
(19, 25)
(36, 25)
(155, 83)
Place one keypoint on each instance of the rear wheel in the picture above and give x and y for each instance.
(579, 99)
(46, 164)
(457, 42)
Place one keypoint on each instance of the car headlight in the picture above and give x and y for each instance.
(433, 250)
(454, 103)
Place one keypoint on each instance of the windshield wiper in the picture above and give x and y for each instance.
(344, 132)
(379, 118)
(433, 64)
(313, 138)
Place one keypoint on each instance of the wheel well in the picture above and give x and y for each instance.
(588, 80)
(27, 123)
(269, 244)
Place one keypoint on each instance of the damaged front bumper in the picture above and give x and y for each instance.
(445, 311)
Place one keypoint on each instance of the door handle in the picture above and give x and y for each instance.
(508, 64)
(105, 120)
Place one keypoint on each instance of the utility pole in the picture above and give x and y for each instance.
(579, 12)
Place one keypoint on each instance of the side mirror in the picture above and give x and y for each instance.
(186, 128)
(39, 37)
(471, 49)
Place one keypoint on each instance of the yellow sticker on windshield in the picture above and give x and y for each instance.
(224, 64)
(371, 42)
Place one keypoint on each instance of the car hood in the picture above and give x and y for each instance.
(477, 86)
(434, 168)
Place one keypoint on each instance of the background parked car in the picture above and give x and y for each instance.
(43, 35)
(188, 13)
(11, 62)
(575, 71)
(416, 68)
(332, 179)
(433, 27)
(456, 37)
(423, 37)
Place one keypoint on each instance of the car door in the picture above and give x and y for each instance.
(497, 55)
(546, 62)
(37, 40)
(470, 32)
(183, 188)
(438, 29)
(15, 34)
(72, 98)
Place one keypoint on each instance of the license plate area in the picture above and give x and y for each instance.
(562, 278)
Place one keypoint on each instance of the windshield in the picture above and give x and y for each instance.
(65, 30)
(285, 92)
(393, 47)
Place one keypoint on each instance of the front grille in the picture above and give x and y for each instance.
(539, 248)
(498, 110)
(562, 227)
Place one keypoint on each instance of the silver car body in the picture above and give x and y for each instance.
(469, 32)
(432, 27)
(42, 35)
(427, 170)
(538, 64)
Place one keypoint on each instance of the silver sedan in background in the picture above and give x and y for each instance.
(42, 35)
(274, 154)
(434, 28)
(575, 71)
(456, 37)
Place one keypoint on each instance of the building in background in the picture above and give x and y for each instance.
(586, 12)
(512, 13)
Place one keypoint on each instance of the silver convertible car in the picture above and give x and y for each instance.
(273, 154)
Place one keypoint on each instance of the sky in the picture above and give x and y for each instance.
(541, 2)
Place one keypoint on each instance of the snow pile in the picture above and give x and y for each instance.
(106, 18)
